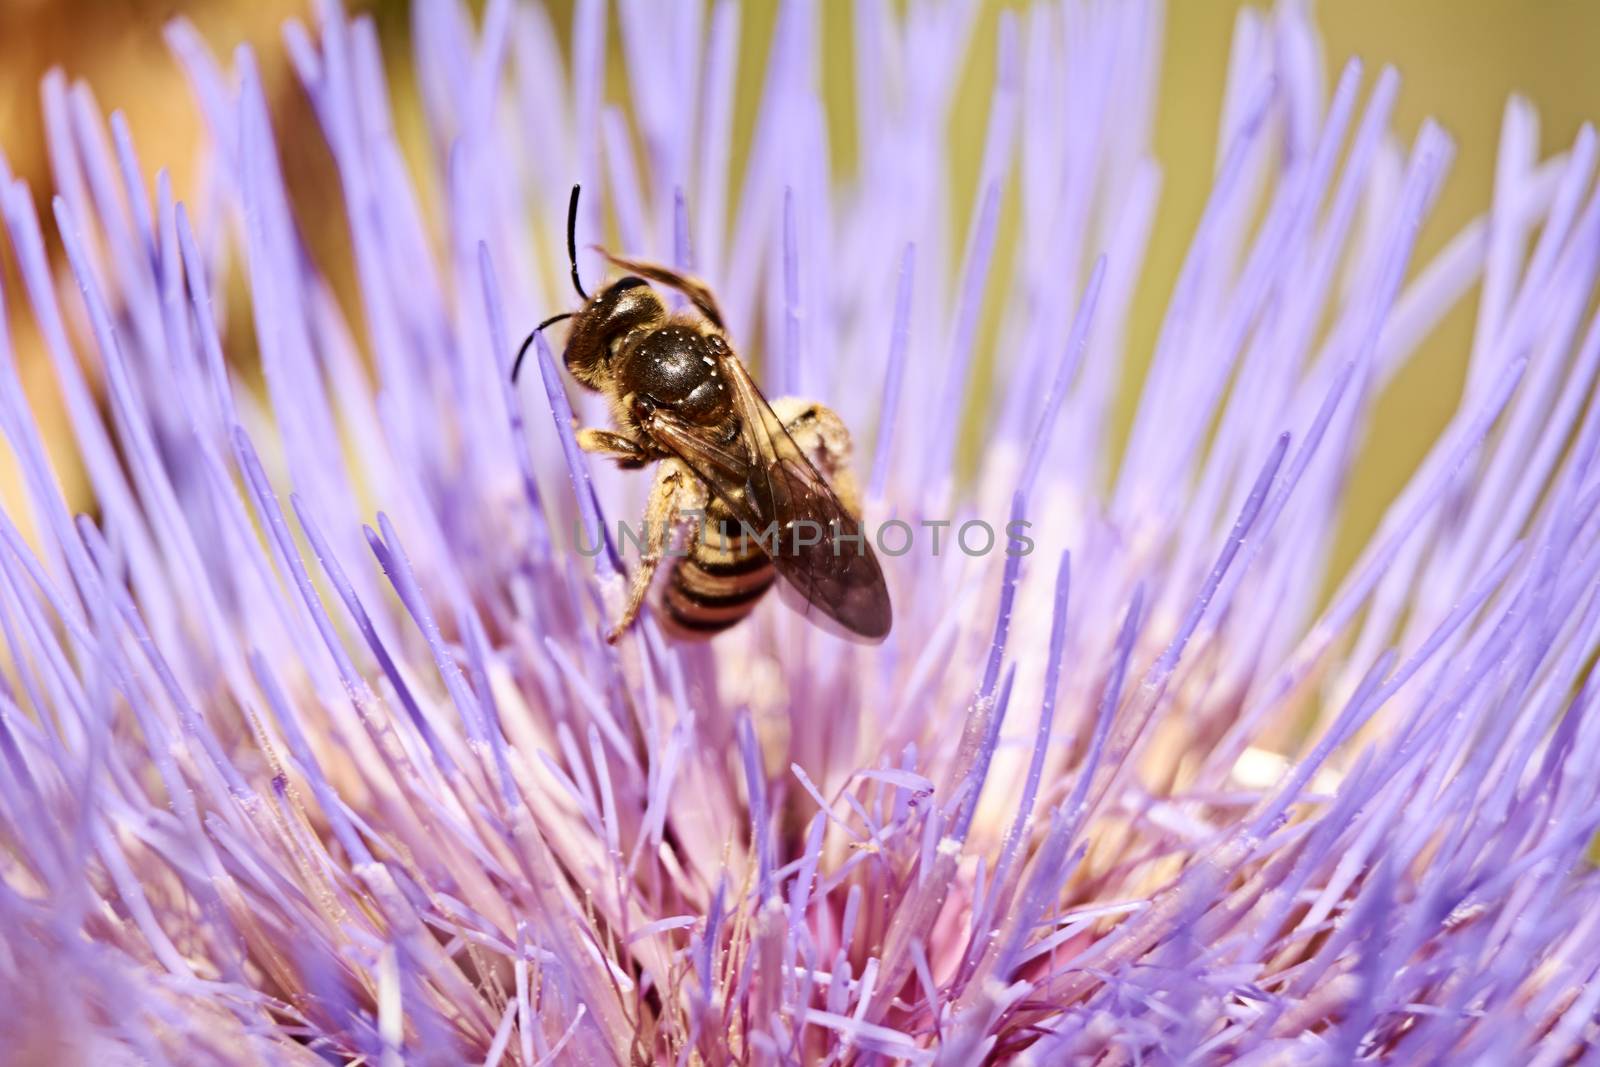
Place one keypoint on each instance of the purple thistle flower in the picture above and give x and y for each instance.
(313, 747)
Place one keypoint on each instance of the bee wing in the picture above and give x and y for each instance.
(767, 482)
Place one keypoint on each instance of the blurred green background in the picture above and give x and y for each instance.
(1459, 61)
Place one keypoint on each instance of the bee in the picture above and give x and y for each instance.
(755, 475)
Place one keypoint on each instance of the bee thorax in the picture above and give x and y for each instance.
(673, 368)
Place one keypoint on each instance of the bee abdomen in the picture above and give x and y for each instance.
(711, 590)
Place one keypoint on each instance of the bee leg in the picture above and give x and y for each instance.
(671, 498)
(627, 452)
(822, 436)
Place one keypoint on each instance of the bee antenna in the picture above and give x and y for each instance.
(572, 259)
(516, 367)
(572, 242)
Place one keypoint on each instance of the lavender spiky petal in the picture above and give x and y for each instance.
(311, 745)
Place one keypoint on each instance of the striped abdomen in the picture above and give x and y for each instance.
(718, 583)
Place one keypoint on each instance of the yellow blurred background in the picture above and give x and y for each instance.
(1459, 62)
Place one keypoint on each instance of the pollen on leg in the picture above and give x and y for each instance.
(822, 436)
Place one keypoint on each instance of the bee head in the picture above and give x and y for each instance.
(599, 330)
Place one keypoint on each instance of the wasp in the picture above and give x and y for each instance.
(767, 489)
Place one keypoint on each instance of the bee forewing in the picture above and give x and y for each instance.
(830, 573)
